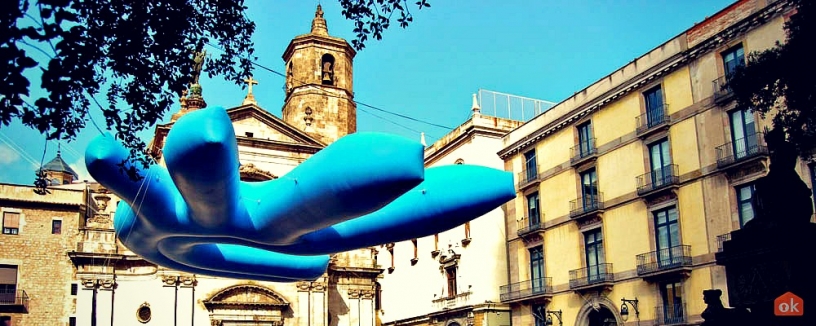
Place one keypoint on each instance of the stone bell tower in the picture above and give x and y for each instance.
(319, 89)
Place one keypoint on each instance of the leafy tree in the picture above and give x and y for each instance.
(138, 53)
(782, 80)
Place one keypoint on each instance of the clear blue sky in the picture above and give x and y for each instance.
(541, 49)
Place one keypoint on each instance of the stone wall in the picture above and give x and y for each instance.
(44, 271)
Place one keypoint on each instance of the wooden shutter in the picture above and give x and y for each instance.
(11, 220)
(8, 274)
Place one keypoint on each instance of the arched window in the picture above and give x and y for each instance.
(327, 66)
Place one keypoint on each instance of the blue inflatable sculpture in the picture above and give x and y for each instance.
(365, 189)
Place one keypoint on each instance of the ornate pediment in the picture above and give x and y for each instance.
(246, 296)
(249, 172)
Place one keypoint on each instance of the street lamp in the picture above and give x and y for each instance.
(624, 311)
(557, 314)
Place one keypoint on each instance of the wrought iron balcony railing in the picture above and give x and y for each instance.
(664, 259)
(721, 89)
(525, 225)
(721, 239)
(741, 149)
(14, 298)
(589, 203)
(584, 149)
(654, 117)
(526, 289)
(597, 274)
(528, 175)
(672, 314)
(658, 178)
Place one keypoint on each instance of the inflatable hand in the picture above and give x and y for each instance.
(365, 189)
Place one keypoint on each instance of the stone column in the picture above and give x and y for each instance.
(367, 308)
(318, 307)
(303, 303)
(354, 307)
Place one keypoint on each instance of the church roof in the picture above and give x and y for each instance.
(59, 165)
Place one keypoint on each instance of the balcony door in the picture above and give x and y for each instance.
(589, 189)
(8, 284)
(530, 165)
(661, 160)
(537, 269)
(667, 233)
(732, 59)
(593, 244)
(743, 132)
(655, 114)
(585, 145)
(533, 213)
(673, 309)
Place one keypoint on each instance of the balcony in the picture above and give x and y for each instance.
(589, 205)
(674, 314)
(653, 120)
(721, 239)
(592, 277)
(526, 227)
(742, 150)
(722, 93)
(585, 151)
(671, 261)
(14, 301)
(528, 177)
(526, 290)
(658, 180)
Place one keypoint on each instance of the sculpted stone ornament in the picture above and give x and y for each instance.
(781, 197)
(715, 314)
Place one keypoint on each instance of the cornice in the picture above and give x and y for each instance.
(667, 66)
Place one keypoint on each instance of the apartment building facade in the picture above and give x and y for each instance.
(627, 188)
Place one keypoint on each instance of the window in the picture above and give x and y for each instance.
(56, 227)
(585, 143)
(537, 269)
(667, 232)
(249, 134)
(745, 194)
(539, 314)
(6, 321)
(532, 209)
(11, 223)
(530, 165)
(743, 133)
(655, 113)
(661, 161)
(671, 294)
(450, 273)
(732, 59)
(74, 289)
(71, 321)
(593, 244)
(589, 189)
(327, 64)
(8, 284)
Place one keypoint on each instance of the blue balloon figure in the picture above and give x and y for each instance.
(365, 189)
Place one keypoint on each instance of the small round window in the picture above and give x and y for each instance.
(143, 314)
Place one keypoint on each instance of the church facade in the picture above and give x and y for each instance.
(82, 275)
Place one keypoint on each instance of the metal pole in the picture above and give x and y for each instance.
(93, 303)
(175, 305)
